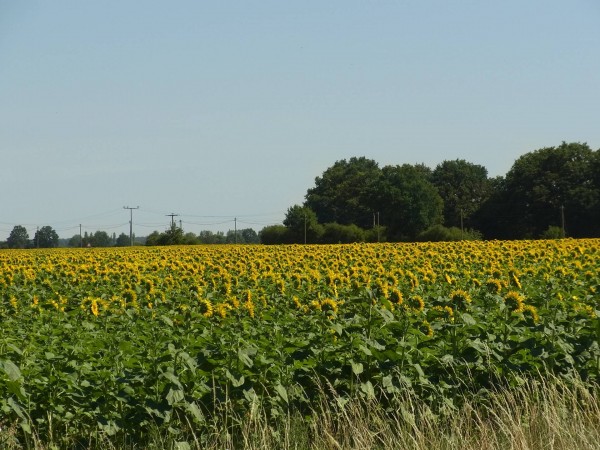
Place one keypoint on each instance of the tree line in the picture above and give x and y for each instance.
(46, 237)
(550, 192)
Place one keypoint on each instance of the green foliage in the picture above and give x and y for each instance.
(334, 233)
(45, 237)
(123, 241)
(407, 201)
(553, 232)
(274, 234)
(302, 225)
(18, 238)
(463, 187)
(440, 233)
(345, 192)
(158, 364)
(541, 183)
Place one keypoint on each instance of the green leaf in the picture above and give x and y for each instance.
(195, 411)
(282, 392)
(468, 319)
(368, 389)
(175, 396)
(16, 408)
(172, 378)
(234, 381)
(243, 355)
(10, 369)
(357, 368)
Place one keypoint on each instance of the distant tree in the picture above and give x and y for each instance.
(463, 187)
(345, 192)
(75, 241)
(208, 237)
(122, 241)
(302, 222)
(544, 184)
(152, 239)
(18, 238)
(233, 237)
(190, 239)
(172, 236)
(45, 237)
(250, 236)
(407, 202)
(100, 239)
(274, 234)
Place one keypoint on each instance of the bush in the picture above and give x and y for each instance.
(274, 234)
(438, 233)
(334, 233)
(553, 232)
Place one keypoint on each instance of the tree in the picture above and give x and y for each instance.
(302, 225)
(208, 237)
(123, 240)
(274, 234)
(173, 236)
(345, 192)
(45, 237)
(75, 241)
(151, 240)
(100, 239)
(18, 238)
(250, 236)
(548, 184)
(463, 187)
(190, 239)
(407, 202)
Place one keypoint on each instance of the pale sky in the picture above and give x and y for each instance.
(230, 109)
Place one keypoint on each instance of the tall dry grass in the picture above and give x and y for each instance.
(548, 415)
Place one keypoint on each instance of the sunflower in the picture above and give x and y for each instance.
(329, 306)
(416, 303)
(514, 301)
(396, 296)
(206, 307)
(494, 285)
(460, 298)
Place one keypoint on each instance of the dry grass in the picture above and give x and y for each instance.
(547, 415)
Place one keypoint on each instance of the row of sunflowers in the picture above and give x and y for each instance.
(128, 338)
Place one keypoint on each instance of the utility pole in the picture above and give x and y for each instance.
(80, 237)
(235, 229)
(180, 224)
(172, 216)
(304, 228)
(131, 222)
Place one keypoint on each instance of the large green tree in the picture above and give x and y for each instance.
(345, 192)
(45, 237)
(463, 186)
(548, 184)
(407, 201)
(302, 224)
(18, 238)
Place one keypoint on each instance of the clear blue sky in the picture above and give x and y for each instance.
(223, 109)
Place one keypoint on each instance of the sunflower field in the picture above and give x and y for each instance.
(125, 339)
